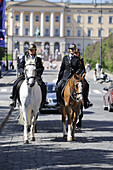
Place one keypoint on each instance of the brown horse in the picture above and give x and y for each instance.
(73, 102)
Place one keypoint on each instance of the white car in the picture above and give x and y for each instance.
(51, 98)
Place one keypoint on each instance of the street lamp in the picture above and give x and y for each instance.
(6, 48)
(12, 44)
(83, 35)
(101, 40)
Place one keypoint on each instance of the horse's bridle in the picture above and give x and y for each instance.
(34, 77)
(75, 93)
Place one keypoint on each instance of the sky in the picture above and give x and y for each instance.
(77, 1)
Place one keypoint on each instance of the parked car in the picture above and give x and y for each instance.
(51, 98)
(108, 98)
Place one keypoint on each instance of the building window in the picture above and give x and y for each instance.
(47, 48)
(37, 18)
(16, 31)
(17, 46)
(6, 17)
(110, 20)
(79, 32)
(89, 32)
(47, 18)
(26, 31)
(5, 31)
(100, 20)
(26, 17)
(46, 31)
(89, 19)
(110, 31)
(56, 32)
(79, 19)
(57, 18)
(99, 32)
(67, 47)
(79, 46)
(68, 32)
(26, 46)
(56, 47)
(16, 17)
(68, 19)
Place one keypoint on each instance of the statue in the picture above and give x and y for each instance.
(37, 32)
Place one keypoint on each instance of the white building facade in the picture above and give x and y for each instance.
(53, 27)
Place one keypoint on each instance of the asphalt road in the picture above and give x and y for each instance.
(93, 148)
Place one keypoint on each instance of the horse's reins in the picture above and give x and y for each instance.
(13, 80)
(34, 77)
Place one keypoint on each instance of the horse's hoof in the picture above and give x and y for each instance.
(78, 125)
(69, 139)
(33, 139)
(74, 138)
(26, 142)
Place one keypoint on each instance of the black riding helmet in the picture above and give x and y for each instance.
(32, 47)
(72, 47)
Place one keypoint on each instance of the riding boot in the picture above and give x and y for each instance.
(87, 103)
(13, 97)
(58, 98)
(15, 91)
(13, 104)
(44, 93)
(59, 90)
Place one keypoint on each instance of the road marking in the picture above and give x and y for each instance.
(3, 90)
(97, 92)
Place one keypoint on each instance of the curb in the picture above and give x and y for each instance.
(8, 114)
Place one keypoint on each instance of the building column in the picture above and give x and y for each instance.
(42, 25)
(42, 46)
(62, 24)
(31, 24)
(52, 25)
(51, 47)
(21, 47)
(21, 23)
(11, 25)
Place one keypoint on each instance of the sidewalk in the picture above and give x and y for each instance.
(5, 110)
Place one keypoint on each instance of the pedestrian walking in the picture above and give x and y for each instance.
(95, 75)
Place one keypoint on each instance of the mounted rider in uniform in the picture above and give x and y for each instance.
(39, 67)
(69, 66)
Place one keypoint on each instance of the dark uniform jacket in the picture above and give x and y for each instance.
(69, 67)
(83, 70)
(39, 65)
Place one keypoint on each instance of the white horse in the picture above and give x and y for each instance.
(30, 98)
